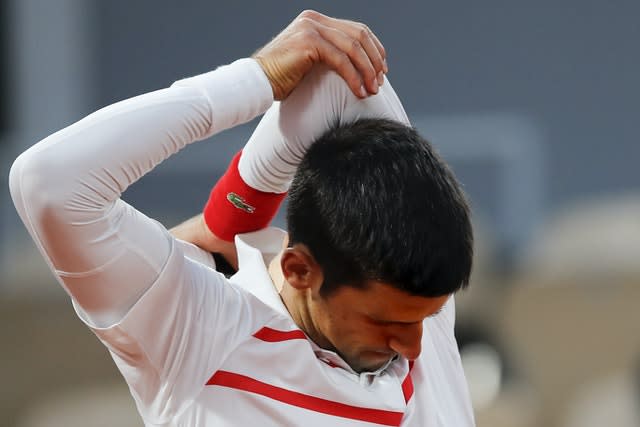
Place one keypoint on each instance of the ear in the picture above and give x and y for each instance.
(300, 268)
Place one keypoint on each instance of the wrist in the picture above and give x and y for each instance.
(234, 207)
(278, 79)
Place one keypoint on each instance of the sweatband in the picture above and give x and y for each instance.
(234, 207)
(258, 179)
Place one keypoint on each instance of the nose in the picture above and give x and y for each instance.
(407, 340)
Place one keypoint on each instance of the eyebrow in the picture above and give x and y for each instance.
(405, 323)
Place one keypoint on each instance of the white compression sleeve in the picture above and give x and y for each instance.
(288, 128)
(66, 188)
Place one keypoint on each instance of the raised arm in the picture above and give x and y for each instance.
(149, 303)
(262, 172)
(66, 188)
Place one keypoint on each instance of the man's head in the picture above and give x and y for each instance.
(372, 205)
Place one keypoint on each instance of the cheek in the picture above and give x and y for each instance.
(340, 326)
(335, 323)
(354, 333)
(345, 328)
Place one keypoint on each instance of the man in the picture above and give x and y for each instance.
(343, 342)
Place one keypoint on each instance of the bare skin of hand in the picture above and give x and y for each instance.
(195, 230)
(350, 48)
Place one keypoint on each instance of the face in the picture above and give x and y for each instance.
(368, 326)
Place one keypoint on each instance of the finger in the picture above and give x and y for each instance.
(376, 58)
(381, 50)
(367, 38)
(356, 53)
(340, 62)
(369, 41)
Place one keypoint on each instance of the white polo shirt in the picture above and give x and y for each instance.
(195, 348)
(259, 368)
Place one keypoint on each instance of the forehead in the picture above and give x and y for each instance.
(383, 301)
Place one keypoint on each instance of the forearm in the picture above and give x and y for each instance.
(195, 231)
(276, 147)
(322, 100)
(67, 187)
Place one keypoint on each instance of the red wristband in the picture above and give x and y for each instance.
(234, 207)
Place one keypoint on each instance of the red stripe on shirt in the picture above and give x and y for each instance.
(273, 335)
(407, 384)
(312, 403)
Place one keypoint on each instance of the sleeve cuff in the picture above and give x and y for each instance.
(236, 93)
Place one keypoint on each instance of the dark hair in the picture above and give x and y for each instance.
(372, 200)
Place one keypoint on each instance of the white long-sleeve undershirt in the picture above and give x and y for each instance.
(288, 128)
(168, 321)
(67, 187)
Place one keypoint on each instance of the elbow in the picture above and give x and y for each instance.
(35, 184)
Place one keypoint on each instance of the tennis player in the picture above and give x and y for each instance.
(346, 321)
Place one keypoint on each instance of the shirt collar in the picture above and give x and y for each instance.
(255, 251)
(333, 359)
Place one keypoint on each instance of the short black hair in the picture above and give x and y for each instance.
(372, 200)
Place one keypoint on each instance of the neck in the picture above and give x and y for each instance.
(296, 302)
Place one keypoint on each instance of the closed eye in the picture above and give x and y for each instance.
(396, 322)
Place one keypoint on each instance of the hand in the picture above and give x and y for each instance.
(195, 230)
(350, 48)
